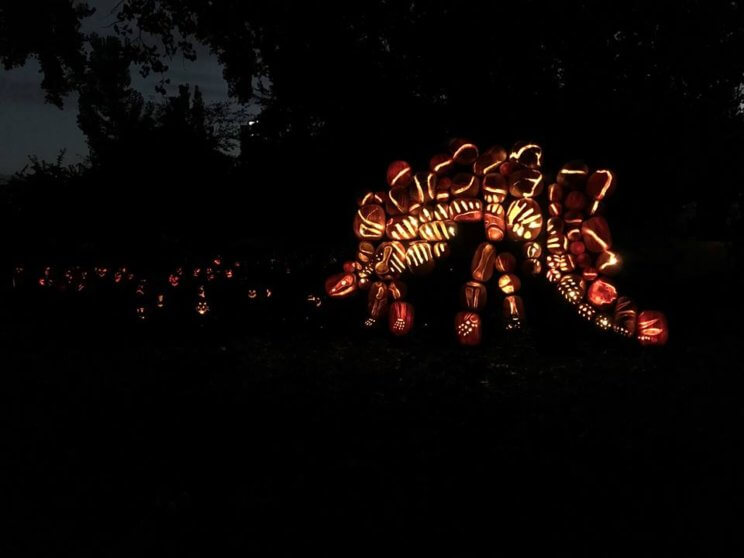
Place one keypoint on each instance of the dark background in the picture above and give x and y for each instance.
(273, 424)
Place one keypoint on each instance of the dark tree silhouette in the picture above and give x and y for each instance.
(50, 32)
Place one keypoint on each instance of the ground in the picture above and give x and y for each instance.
(127, 438)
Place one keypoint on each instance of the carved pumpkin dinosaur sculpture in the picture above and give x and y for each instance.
(407, 228)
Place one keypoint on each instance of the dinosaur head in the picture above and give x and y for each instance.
(346, 283)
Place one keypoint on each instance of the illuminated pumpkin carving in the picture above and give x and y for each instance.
(600, 184)
(609, 263)
(419, 257)
(494, 220)
(369, 223)
(572, 288)
(602, 293)
(527, 154)
(400, 317)
(441, 163)
(397, 202)
(505, 262)
(509, 283)
(494, 187)
(652, 328)
(465, 185)
(474, 295)
(420, 215)
(482, 264)
(596, 234)
(404, 227)
(527, 183)
(390, 259)
(513, 311)
(399, 174)
(377, 300)
(438, 230)
(626, 316)
(341, 285)
(468, 328)
(524, 219)
(372, 198)
(489, 161)
(466, 210)
(463, 151)
(573, 175)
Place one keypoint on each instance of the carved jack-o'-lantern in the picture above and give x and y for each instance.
(531, 250)
(438, 230)
(495, 188)
(602, 293)
(400, 317)
(377, 300)
(397, 289)
(465, 185)
(600, 184)
(573, 175)
(494, 221)
(402, 227)
(463, 151)
(489, 161)
(440, 249)
(505, 262)
(365, 251)
(419, 257)
(341, 285)
(562, 262)
(626, 316)
(526, 183)
(466, 210)
(369, 223)
(424, 187)
(527, 154)
(524, 219)
(596, 234)
(369, 198)
(652, 328)
(609, 263)
(482, 265)
(572, 288)
(390, 259)
(513, 311)
(468, 328)
(399, 174)
(441, 163)
(509, 283)
(397, 202)
(474, 295)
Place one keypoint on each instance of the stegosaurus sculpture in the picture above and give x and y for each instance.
(407, 229)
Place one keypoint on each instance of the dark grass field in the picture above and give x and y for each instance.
(266, 437)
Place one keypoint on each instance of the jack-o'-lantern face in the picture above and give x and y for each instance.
(341, 285)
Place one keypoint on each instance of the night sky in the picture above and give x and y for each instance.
(30, 126)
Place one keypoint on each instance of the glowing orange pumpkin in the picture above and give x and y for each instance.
(400, 317)
(652, 328)
(341, 285)
(468, 328)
